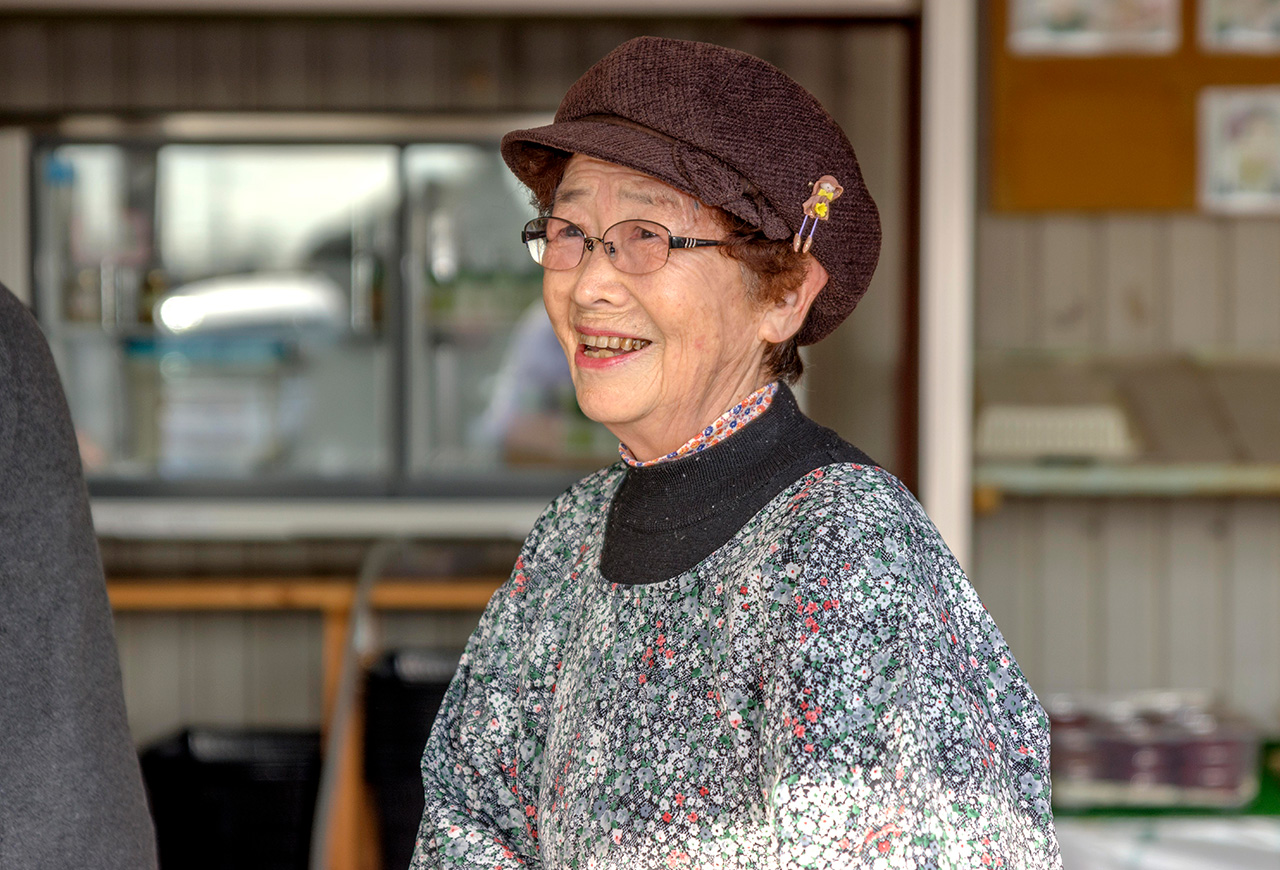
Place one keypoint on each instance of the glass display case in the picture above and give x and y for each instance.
(273, 314)
(493, 387)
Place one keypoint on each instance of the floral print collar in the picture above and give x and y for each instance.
(725, 425)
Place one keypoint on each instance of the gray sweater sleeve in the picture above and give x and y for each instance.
(70, 790)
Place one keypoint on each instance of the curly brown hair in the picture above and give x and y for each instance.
(771, 269)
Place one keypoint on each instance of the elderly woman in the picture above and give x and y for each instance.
(744, 645)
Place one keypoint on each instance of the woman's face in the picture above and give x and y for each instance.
(705, 351)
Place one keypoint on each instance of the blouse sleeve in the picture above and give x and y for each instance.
(897, 730)
(480, 763)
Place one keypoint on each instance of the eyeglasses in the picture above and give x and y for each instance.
(633, 246)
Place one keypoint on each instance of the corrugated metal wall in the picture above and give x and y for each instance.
(1121, 283)
(265, 668)
(1129, 593)
(76, 64)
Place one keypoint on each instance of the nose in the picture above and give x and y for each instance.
(598, 282)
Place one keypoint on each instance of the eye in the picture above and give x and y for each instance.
(562, 229)
(641, 231)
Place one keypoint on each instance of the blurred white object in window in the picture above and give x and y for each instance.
(260, 300)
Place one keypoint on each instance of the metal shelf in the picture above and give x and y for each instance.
(281, 519)
(1150, 479)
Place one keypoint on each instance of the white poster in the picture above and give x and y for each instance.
(1240, 150)
(1240, 26)
(1075, 27)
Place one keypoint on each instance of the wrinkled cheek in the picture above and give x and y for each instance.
(678, 358)
(686, 367)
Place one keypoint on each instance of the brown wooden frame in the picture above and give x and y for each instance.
(354, 843)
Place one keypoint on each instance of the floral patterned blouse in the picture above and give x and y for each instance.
(824, 690)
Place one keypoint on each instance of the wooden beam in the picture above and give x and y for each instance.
(273, 593)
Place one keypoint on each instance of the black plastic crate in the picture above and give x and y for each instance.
(403, 691)
(233, 799)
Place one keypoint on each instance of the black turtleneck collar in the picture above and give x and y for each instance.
(668, 517)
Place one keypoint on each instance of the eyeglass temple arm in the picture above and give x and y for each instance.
(685, 242)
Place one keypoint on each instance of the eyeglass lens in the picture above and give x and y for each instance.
(634, 246)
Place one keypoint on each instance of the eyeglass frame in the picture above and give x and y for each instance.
(674, 242)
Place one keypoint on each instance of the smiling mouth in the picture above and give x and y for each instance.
(606, 346)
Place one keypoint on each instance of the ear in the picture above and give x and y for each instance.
(783, 319)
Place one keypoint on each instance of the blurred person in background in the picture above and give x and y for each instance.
(744, 645)
(71, 792)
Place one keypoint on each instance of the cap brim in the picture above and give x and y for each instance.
(525, 150)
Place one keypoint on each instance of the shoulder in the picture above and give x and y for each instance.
(27, 371)
(855, 486)
(591, 492)
(855, 531)
(35, 423)
(541, 587)
(14, 316)
(852, 503)
(565, 527)
(579, 510)
(22, 344)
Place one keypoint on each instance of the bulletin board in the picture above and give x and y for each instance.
(1103, 132)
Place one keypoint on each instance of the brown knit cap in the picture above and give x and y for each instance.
(727, 128)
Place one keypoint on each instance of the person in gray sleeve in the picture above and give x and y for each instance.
(70, 788)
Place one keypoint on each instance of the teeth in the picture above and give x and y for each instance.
(613, 342)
